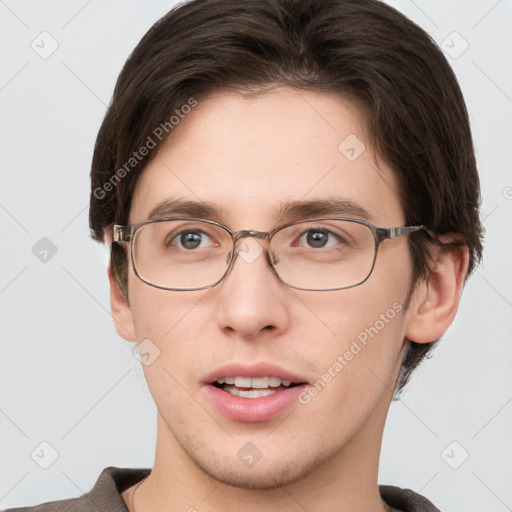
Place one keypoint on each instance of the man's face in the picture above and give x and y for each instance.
(248, 156)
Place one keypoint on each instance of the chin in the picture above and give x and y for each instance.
(263, 475)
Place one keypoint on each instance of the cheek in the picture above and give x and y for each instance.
(158, 313)
(357, 366)
(168, 323)
(359, 349)
(373, 309)
(172, 321)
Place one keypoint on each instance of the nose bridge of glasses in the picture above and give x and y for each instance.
(250, 233)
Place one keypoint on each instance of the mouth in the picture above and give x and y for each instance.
(252, 393)
(255, 387)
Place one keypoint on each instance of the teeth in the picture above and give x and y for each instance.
(274, 382)
(243, 382)
(259, 382)
(250, 393)
(254, 383)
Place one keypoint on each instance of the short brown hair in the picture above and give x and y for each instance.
(363, 50)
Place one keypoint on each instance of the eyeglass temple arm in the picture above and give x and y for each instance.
(121, 233)
(390, 233)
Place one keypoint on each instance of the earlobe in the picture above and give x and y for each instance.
(436, 300)
(121, 313)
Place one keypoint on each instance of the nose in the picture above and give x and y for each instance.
(252, 298)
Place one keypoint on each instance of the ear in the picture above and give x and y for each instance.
(436, 300)
(121, 313)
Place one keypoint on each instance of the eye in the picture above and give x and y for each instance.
(189, 239)
(318, 238)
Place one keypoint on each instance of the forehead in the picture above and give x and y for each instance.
(249, 157)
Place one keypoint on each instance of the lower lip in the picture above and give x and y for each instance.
(253, 410)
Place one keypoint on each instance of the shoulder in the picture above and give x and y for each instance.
(105, 494)
(406, 500)
(71, 505)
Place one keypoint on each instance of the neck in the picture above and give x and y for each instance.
(346, 482)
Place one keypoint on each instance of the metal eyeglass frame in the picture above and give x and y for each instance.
(125, 234)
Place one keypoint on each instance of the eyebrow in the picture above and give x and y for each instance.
(184, 207)
(291, 210)
(288, 211)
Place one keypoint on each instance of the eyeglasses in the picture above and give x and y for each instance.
(321, 254)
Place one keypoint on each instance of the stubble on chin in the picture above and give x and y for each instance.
(264, 475)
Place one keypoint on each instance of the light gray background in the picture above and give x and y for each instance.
(67, 379)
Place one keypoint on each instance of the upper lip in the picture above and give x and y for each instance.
(252, 371)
